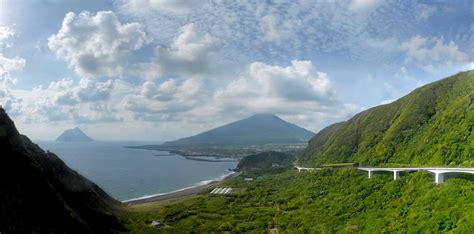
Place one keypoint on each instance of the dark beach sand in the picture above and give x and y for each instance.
(182, 193)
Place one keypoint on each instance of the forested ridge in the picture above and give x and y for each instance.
(430, 126)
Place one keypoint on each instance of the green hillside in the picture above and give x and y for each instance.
(329, 201)
(430, 126)
(266, 161)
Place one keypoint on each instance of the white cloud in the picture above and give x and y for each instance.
(86, 91)
(364, 5)
(63, 101)
(300, 28)
(169, 6)
(164, 92)
(425, 12)
(297, 92)
(5, 33)
(8, 65)
(296, 82)
(191, 54)
(97, 45)
(163, 102)
(426, 50)
(273, 30)
(388, 44)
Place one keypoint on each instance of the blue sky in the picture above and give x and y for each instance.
(157, 70)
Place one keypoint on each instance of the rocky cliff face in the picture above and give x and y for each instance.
(39, 193)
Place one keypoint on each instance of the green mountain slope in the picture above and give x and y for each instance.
(266, 161)
(430, 126)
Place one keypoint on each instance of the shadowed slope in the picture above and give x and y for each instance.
(39, 193)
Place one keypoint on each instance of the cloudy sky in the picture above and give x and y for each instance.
(158, 70)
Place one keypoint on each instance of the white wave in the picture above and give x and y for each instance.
(204, 182)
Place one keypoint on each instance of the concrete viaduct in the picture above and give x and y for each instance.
(437, 171)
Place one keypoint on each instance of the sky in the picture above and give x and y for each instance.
(158, 70)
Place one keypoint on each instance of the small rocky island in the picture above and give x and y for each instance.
(74, 135)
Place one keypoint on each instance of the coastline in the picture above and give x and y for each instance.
(189, 156)
(196, 158)
(181, 192)
(187, 153)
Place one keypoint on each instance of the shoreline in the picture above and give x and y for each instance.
(185, 153)
(179, 193)
(189, 156)
(196, 158)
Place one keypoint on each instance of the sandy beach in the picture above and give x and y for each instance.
(181, 193)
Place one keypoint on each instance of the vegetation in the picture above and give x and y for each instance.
(341, 200)
(430, 126)
(339, 165)
(266, 162)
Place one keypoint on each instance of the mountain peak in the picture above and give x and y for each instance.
(264, 115)
(74, 135)
(263, 128)
(7, 127)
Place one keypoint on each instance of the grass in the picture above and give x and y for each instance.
(157, 205)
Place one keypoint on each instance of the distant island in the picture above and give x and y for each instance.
(258, 133)
(74, 135)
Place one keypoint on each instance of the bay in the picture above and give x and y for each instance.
(127, 173)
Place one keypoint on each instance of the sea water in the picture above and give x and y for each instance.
(127, 173)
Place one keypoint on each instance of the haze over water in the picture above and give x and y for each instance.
(132, 173)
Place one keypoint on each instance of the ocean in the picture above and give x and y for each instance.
(128, 174)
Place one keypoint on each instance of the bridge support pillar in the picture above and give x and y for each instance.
(396, 175)
(439, 178)
(370, 174)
